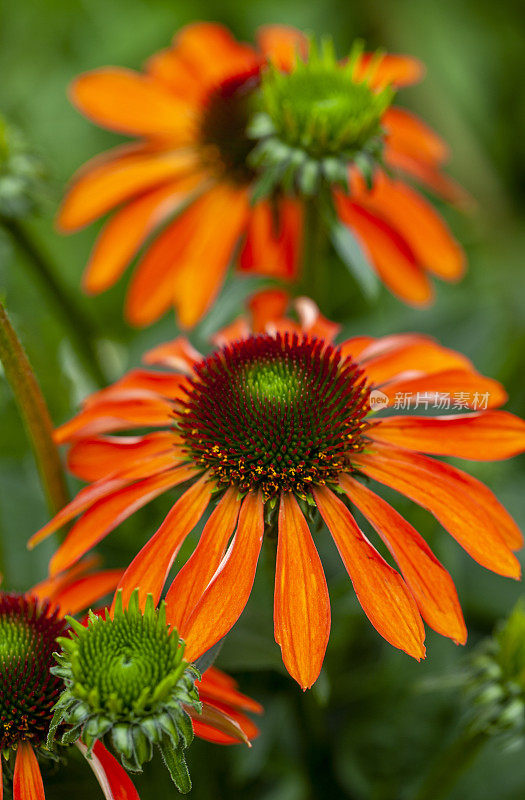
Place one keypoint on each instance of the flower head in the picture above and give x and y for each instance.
(316, 119)
(126, 678)
(30, 625)
(277, 424)
(226, 149)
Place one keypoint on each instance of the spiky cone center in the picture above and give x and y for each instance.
(224, 143)
(28, 691)
(22, 175)
(279, 413)
(314, 121)
(496, 680)
(126, 679)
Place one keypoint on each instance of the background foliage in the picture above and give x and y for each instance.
(371, 725)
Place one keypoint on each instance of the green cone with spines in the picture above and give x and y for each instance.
(22, 175)
(314, 121)
(495, 681)
(126, 679)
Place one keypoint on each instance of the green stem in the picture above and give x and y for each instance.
(79, 327)
(34, 413)
(450, 766)
(313, 282)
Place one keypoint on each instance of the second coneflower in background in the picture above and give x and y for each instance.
(277, 424)
(233, 144)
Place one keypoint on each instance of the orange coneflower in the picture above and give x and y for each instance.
(276, 423)
(29, 625)
(194, 169)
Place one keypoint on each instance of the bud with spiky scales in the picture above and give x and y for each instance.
(126, 679)
(316, 120)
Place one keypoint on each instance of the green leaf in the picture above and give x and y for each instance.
(350, 252)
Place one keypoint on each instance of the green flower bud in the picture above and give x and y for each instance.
(496, 680)
(314, 121)
(126, 678)
(22, 175)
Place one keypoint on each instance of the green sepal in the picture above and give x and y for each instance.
(176, 764)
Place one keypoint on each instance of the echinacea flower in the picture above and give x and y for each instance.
(275, 424)
(126, 680)
(29, 626)
(194, 174)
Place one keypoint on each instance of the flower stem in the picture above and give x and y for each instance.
(34, 413)
(79, 327)
(313, 282)
(450, 765)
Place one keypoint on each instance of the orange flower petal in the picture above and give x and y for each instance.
(104, 183)
(352, 348)
(216, 686)
(406, 133)
(422, 357)
(463, 505)
(113, 779)
(383, 595)
(429, 582)
(103, 516)
(133, 410)
(301, 602)
(201, 270)
(149, 569)
(178, 354)
(128, 229)
(390, 69)
(193, 578)
(228, 592)
(128, 102)
(416, 221)
(92, 459)
(313, 322)
(85, 592)
(187, 262)
(267, 306)
(458, 385)
(483, 436)
(212, 734)
(27, 779)
(430, 176)
(273, 240)
(388, 252)
(155, 382)
(281, 44)
(193, 45)
(238, 329)
(371, 347)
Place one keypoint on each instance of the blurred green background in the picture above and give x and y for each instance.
(371, 726)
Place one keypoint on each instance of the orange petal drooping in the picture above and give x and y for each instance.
(227, 594)
(429, 582)
(27, 779)
(301, 602)
(463, 505)
(383, 594)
